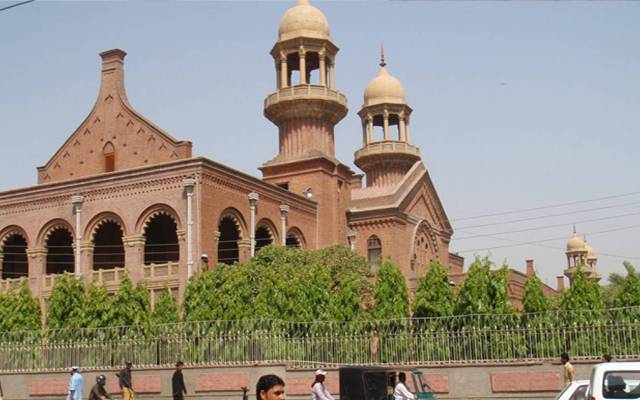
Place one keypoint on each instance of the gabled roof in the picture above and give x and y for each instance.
(112, 127)
(414, 195)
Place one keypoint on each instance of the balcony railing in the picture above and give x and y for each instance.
(388, 146)
(10, 283)
(109, 277)
(305, 91)
(159, 275)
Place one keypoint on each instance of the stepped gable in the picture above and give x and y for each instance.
(113, 136)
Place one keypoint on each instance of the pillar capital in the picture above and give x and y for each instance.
(77, 200)
(188, 184)
(36, 252)
(253, 198)
(302, 52)
(133, 240)
(87, 247)
(181, 233)
(284, 210)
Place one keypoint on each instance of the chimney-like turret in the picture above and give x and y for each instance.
(560, 284)
(112, 82)
(531, 271)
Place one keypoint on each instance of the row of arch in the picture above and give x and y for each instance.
(107, 236)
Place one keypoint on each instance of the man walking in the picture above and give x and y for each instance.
(124, 379)
(99, 391)
(177, 383)
(569, 370)
(75, 384)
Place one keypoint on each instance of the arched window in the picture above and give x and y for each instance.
(109, 154)
(374, 252)
(108, 250)
(161, 240)
(15, 263)
(228, 241)
(264, 237)
(295, 239)
(60, 257)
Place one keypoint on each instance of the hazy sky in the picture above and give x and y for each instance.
(516, 104)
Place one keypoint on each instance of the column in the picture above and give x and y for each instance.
(87, 260)
(385, 127)
(370, 128)
(77, 207)
(403, 132)
(278, 75)
(134, 256)
(244, 250)
(37, 268)
(332, 82)
(303, 66)
(284, 71)
(351, 238)
(364, 133)
(189, 184)
(216, 243)
(284, 211)
(253, 200)
(406, 129)
(323, 68)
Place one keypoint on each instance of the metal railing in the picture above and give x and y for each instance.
(457, 340)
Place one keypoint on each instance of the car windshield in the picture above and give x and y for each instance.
(569, 387)
(621, 385)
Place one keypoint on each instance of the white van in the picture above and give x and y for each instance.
(615, 380)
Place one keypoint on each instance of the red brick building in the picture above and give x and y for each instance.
(123, 195)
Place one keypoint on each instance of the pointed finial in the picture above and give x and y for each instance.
(382, 63)
(303, 2)
(574, 229)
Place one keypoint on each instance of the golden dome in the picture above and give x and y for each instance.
(591, 253)
(576, 243)
(384, 88)
(303, 20)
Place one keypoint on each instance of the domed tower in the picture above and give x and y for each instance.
(385, 156)
(305, 107)
(580, 255)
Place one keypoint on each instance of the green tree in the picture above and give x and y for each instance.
(582, 303)
(582, 315)
(390, 294)
(130, 307)
(434, 297)
(20, 312)
(65, 306)
(474, 296)
(166, 309)
(96, 308)
(628, 295)
(350, 290)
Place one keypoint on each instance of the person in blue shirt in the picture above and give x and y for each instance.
(75, 384)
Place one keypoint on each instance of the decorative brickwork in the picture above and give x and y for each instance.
(539, 381)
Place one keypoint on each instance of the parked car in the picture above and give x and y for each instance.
(615, 380)
(577, 390)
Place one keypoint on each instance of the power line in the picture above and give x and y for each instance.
(549, 216)
(549, 226)
(539, 243)
(17, 4)
(522, 210)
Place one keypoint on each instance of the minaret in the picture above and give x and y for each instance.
(305, 107)
(580, 255)
(388, 156)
